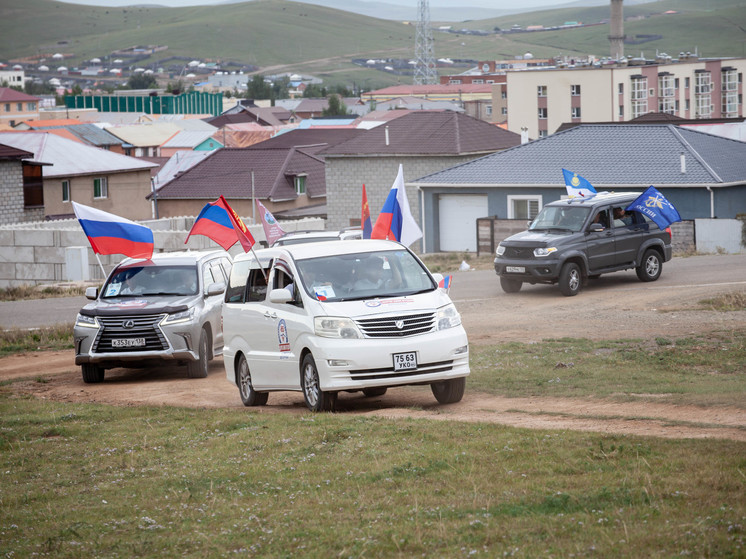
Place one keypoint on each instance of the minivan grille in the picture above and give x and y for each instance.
(397, 326)
(138, 326)
(388, 372)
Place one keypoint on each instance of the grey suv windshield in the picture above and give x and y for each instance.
(140, 281)
(366, 275)
(563, 218)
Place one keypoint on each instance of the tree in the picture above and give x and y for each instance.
(314, 90)
(336, 107)
(258, 88)
(141, 81)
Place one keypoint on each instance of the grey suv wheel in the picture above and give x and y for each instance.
(510, 285)
(570, 279)
(651, 266)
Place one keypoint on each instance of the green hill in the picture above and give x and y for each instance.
(280, 35)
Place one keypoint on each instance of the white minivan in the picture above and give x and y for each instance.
(324, 318)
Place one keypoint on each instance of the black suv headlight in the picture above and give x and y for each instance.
(542, 251)
(500, 250)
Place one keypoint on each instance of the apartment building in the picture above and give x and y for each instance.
(539, 101)
(16, 107)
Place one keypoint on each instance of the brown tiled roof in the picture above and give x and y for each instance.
(319, 138)
(241, 138)
(228, 172)
(11, 153)
(429, 133)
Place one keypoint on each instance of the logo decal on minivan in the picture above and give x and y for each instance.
(282, 336)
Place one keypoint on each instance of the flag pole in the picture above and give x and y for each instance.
(260, 264)
(99, 263)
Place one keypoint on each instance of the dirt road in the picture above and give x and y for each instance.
(614, 308)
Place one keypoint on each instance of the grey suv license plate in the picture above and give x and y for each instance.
(405, 361)
(128, 342)
(515, 269)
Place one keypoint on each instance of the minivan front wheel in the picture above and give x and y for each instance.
(249, 396)
(449, 391)
(570, 279)
(651, 266)
(316, 399)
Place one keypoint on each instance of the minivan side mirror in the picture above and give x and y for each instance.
(281, 295)
(216, 288)
(91, 293)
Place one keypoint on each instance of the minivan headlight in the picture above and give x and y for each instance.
(86, 321)
(500, 250)
(539, 252)
(336, 327)
(182, 316)
(448, 317)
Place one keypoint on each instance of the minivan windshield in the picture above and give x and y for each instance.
(560, 218)
(364, 275)
(143, 280)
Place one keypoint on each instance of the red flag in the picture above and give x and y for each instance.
(272, 229)
(365, 217)
(219, 222)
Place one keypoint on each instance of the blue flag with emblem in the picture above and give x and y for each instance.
(577, 185)
(654, 205)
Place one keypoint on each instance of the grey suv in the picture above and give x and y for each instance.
(167, 308)
(580, 238)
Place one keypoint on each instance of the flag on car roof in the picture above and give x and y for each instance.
(654, 205)
(365, 217)
(395, 221)
(445, 283)
(111, 234)
(577, 185)
(272, 229)
(219, 222)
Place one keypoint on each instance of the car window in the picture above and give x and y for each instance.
(140, 281)
(236, 291)
(565, 217)
(365, 275)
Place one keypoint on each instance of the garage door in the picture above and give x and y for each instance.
(458, 220)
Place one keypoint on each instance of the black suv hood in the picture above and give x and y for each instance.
(538, 238)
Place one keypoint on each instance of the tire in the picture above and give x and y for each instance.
(570, 279)
(92, 373)
(374, 392)
(510, 285)
(198, 368)
(651, 266)
(316, 400)
(449, 391)
(249, 396)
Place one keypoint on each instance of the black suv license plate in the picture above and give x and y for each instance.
(515, 269)
(405, 361)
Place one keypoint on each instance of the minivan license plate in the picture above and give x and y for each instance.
(515, 269)
(128, 342)
(405, 361)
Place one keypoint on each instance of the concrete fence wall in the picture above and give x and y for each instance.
(42, 252)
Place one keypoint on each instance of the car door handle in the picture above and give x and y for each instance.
(267, 314)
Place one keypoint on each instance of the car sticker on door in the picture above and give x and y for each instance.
(282, 339)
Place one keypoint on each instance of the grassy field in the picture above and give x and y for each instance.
(288, 36)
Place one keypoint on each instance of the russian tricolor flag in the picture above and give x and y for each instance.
(111, 234)
(395, 221)
(219, 222)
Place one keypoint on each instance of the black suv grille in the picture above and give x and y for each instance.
(521, 253)
(397, 326)
(138, 326)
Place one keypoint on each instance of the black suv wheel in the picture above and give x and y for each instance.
(570, 279)
(651, 266)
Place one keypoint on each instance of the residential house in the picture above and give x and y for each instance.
(475, 99)
(702, 175)
(15, 106)
(282, 178)
(422, 141)
(95, 177)
(85, 132)
(142, 140)
(21, 186)
(197, 140)
(314, 107)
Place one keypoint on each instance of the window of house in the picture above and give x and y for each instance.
(576, 112)
(30, 107)
(621, 111)
(454, 81)
(686, 83)
(478, 82)
(504, 110)
(542, 112)
(543, 133)
(686, 104)
(621, 89)
(523, 206)
(300, 184)
(575, 90)
(7, 107)
(33, 186)
(488, 110)
(65, 191)
(676, 83)
(542, 90)
(503, 94)
(19, 107)
(100, 187)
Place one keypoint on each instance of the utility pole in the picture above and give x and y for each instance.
(424, 69)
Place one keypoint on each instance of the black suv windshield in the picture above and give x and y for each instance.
(560, 218)
(143, 280)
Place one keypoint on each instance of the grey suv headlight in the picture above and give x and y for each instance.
(448, 317)
(183, 316)
(539, 252)
(86, 321)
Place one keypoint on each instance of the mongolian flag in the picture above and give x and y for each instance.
(111, 234)
(219, 222)
(365, 217)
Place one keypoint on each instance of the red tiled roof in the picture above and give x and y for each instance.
(8, 95)
(228, 172)
(429, 133)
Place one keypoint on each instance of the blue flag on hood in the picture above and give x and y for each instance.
(654, 205)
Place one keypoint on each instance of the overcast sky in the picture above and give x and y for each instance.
(496, 4)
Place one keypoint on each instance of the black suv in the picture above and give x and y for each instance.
(579, 238)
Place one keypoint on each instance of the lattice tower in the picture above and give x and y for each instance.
(424, 69)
